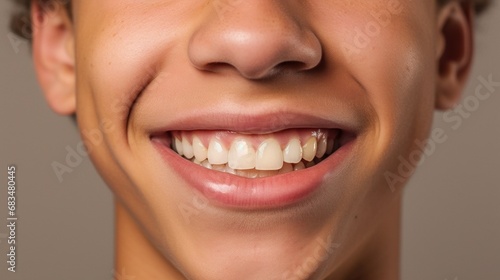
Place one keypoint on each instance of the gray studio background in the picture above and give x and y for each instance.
(451, 221)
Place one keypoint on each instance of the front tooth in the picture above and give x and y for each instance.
(200, 152)
(217, 153)
(293, 151)
(241, 155)
(178, 146)
(187, 148)
(322, 144)
(269, 156)
(309, 149)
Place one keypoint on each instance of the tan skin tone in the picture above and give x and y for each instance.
(191, 56)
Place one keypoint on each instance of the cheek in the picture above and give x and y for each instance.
(399, 81)
(118, 52)
(121, 46)
(395, 64)
(392, 58)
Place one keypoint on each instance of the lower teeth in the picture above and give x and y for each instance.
(254, 173)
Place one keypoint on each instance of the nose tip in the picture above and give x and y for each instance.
(255, 43)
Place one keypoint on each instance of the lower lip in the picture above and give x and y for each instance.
(228, 190)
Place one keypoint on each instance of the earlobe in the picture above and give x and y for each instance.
(454, 52)
(53, 55)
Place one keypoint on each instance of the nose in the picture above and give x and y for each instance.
(258, 39)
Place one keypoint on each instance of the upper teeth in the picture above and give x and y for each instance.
(242, 155)
(269, 156)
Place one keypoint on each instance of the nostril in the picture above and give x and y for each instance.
(216, 66)
(246, 43)
(291, 66)
(281, 68)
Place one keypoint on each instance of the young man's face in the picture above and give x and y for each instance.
(278, 76)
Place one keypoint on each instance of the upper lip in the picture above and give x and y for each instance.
(252, 123)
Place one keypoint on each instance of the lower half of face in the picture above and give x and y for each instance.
(254, 133)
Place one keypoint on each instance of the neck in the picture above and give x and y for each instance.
(378, 258)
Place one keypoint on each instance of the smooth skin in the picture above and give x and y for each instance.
(126, 67)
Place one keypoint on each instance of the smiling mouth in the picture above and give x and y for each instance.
(255, 161)
(257, 155)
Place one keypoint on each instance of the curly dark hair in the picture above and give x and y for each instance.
(20, 22)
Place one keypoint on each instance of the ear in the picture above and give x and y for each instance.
(53, 55)
(454, 51)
